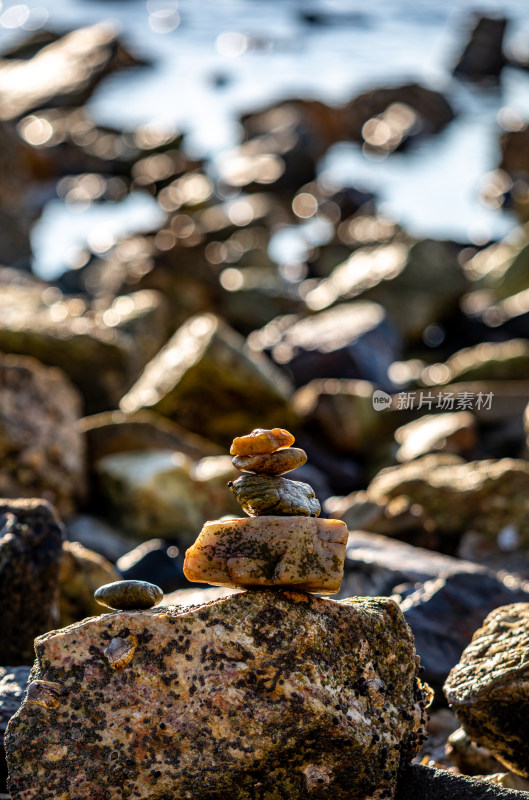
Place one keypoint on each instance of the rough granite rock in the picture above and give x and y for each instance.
(205, 380)
(13, 681)
(261, 495)
(489, 688)
(296, 552)
(260, 694)
(41, 452)
(418, 782)
(444, 612)
(30, 555)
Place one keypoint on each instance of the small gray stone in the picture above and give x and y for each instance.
(263, 495)
(126, 595)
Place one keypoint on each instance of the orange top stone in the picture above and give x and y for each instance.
(261, 441)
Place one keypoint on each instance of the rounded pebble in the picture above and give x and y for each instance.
(261, 440)
(127, 595)
(278, 463)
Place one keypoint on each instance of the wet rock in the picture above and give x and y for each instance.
(352, 340)
(488, 687)
(156, 561)
(102, 352)
(114, 432)
(376, 565)
(13, 682)
(64, 72)
(279, 463)
(290, 552)
(342, 413)
(30, 555)
(357, 657)
(442, 493)
(483, 56)
(81, 572)
(204, 379)
(416, 283)
(447, 433)
(260, 495)
(42, 452)
(444, 612)
(97, 535)
(164, 493)
(470, 758)
(127, 595)
(418, 782)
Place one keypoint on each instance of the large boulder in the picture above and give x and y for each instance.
(275, 693)
(102, 351)
(204, 379)
(30, 555)
(489, 689)
(41, 450)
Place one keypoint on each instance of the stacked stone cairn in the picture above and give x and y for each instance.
(281, 543)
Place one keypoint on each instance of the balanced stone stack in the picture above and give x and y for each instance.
(281, 543)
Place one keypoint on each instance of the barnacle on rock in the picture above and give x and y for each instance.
(44, 693)
(121, 651)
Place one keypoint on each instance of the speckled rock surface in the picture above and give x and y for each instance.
(298, 552)
(489, 688)
(419, 782)
(41, 451)
(30, 554)
(275, 695)
(13, 682)
(260, 495)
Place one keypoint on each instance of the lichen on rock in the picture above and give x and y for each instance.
(269, 694)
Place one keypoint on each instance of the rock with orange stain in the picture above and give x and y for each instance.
(295, 552)
(262, 693)
(261, 441)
